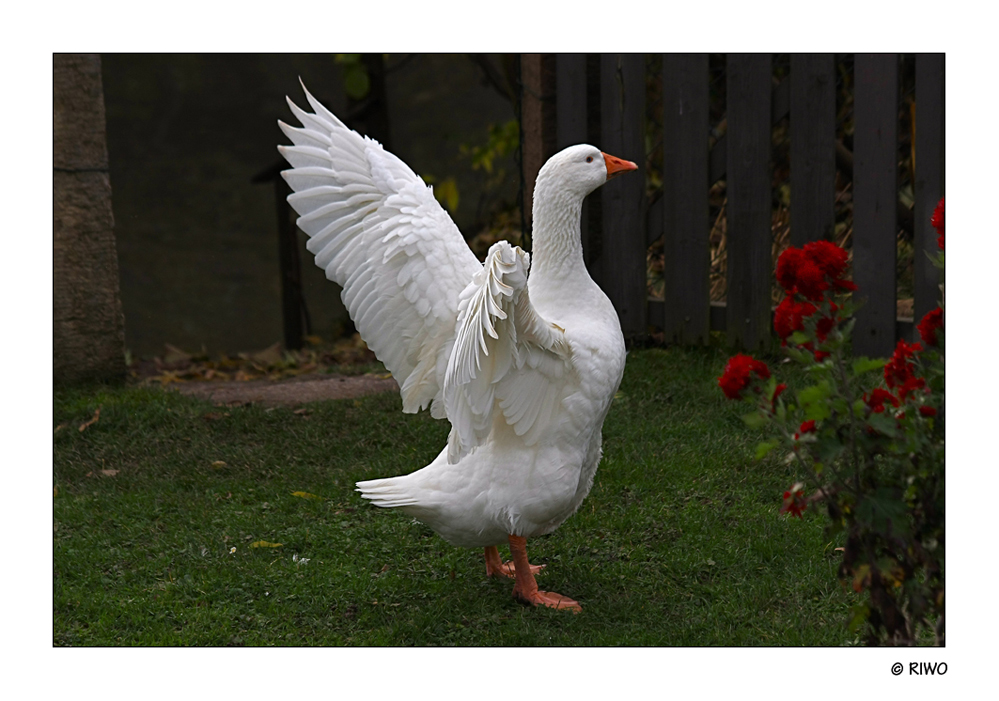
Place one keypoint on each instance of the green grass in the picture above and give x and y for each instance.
(679, 543)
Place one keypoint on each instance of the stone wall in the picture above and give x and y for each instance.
(88, 333)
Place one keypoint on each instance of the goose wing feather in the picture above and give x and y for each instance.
(376, 229)
(504, 356)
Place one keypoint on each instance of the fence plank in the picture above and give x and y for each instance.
(685, 214)
(570, 100)
(622, 107)
(780, 106)
(571, 121)
(532, 138)
(813, 147)
(929, 185)
(875, 181)
(749, 199)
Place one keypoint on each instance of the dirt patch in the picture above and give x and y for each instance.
(288, 392)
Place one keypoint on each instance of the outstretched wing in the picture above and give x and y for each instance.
(504, 357)
(377, 231)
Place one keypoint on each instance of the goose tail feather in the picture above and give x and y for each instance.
(387, 493)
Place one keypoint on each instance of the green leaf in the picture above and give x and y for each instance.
(764, 448)
(862, 365)
(355, 81)
(798, 355)
(799, 338)
(859, 618)
(839, 405)
(446, 193)
(858, 408)
(883, 511)
(818, 411)
(883, 422)
(754, 420)
(813, 400)
(815, 393)
(768, 389)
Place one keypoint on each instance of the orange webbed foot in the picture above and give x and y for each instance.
(547, 598)
(495, 567)
(526, 589)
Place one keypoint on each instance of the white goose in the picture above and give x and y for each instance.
(523, 367)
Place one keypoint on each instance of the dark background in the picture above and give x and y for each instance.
(197, 241)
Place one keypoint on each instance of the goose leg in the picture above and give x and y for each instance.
(495, 567)
(526, 589)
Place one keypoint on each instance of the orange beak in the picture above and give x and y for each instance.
(616, 166)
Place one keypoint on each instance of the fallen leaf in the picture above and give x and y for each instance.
(168, 376)
(218, 463)
(109, 473)
(59, 428)
(305, 495)
(301, 412)
(91, 422)
(269, 356)
(265, 544)
(175, 354)
(55, 492)
(215, 415)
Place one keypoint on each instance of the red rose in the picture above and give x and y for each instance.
(927, 411)
(811, 270)
(794, 502)
(738, 373)
(937, 220)
(911, 384)
(811, 282)
(877, 399)
(787, 268)
(789, 316)
(806, 427)
(830, 258)
(778, 390)
(928, 327)
(899, 371)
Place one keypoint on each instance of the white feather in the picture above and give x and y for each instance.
(523, 364)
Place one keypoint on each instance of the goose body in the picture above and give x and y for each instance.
(522, 357)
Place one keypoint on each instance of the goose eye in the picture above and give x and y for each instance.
(589, 159)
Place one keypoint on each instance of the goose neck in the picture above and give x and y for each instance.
(557, 248)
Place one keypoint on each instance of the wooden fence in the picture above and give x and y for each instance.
(602, 99)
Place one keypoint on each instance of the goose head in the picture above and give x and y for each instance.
(581, 169)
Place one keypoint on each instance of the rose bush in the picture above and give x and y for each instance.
(872, 455)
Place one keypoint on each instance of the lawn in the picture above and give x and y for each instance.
(159, 504)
